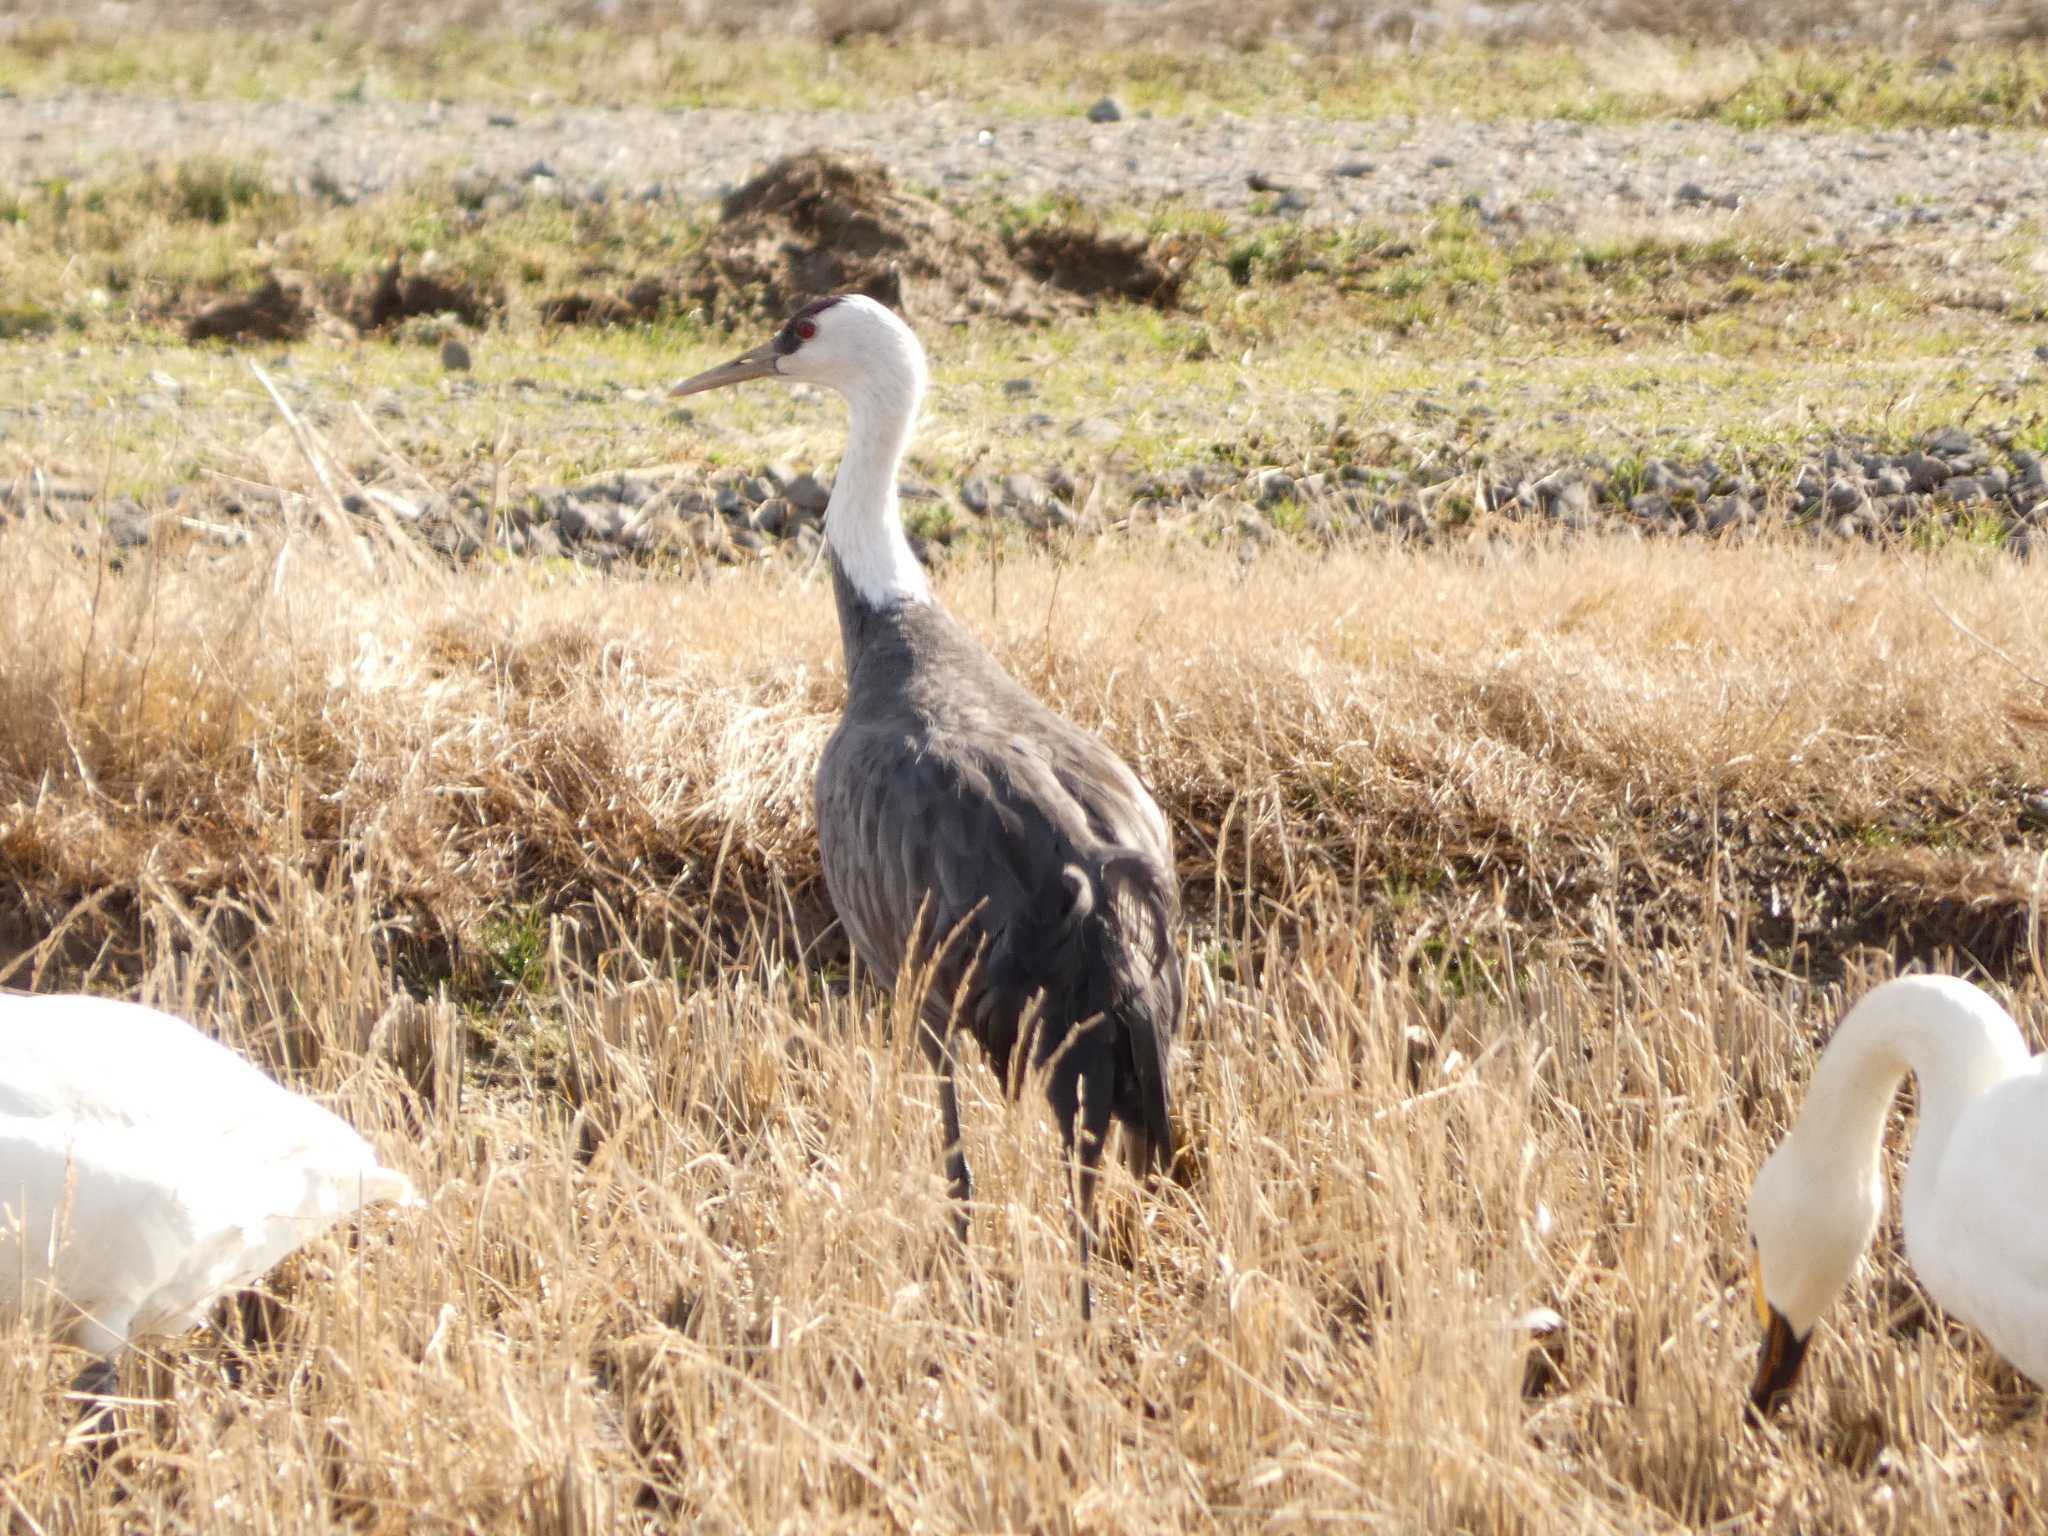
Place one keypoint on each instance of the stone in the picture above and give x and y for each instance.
(771, 517)
(1690, 195)
(1923, 474)
(1269, 487)
(1106, 110)
(1022, 491)
(1727, 512)
(579, 520)
(127, 525)
(1844, 496)
(1019, 389)
(1952, 442)
(757, 488)
(1563, 494)
(1963, 488)
(975, 495)
(454, 355)
(1357, 167)
(807, 493)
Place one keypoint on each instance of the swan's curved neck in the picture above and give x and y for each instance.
(863, 522)
(1955, 1050)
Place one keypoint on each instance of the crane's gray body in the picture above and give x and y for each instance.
(967, 828)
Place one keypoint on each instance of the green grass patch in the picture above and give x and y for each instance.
(1606, 80)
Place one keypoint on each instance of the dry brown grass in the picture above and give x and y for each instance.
(1481, 1022)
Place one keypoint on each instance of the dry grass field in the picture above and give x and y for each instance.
(1526, 866)
(1478, 846)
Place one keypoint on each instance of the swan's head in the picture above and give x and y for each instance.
(849, 344)
(1810, 1218)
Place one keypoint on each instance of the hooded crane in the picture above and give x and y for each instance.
(1008, 858)
(1975, 1227)
(146, 1170)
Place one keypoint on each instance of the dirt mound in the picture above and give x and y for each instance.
(643, 301)
(1096, 266)
(280, 309)
(397, 295)
(815, 224)
(285, 306)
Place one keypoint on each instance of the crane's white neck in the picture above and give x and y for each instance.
(1820, 1196)
(863, 521)
(1955, 1041)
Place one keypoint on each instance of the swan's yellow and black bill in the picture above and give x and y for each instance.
(1777, 1363)
(757, 364)
(1756, 1288)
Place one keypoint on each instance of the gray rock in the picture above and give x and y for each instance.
(1923, 474)
(1952, 442)
(975, 495)
(1442, 162)
(1107, 110)
(1356, 167)
(757, 488)
(127, 525)
(1022, 491)
(1727, 512)
(1891, 481)
(1019, 389)
(1963, 488)
(1562, 495)
(772, 516)
(1269, 487)
(579, 520)
(454, 355)
(1651, 507)
(1844, 496)
(727, 501)
(807, 493)
(1690, 195)
(1096, 429)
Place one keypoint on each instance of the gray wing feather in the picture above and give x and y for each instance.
(1042, 867)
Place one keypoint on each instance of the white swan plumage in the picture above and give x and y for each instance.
(1973, 1216)
(146, 1170)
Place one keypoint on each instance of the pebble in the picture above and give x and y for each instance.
(454, 356)
(1270, 487)
(807, 493)
(1845, 496)
(1106, 110)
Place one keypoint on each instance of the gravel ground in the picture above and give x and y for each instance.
(1853, 187)
(1943, 191)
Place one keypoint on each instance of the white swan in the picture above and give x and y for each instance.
(1976, 1225)
(146, 1170)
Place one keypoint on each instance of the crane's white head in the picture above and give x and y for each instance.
(849, 344)
(1810, 1218)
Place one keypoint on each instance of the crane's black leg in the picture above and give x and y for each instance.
(95, 1387)
(959, 1181)
(1085, 1125)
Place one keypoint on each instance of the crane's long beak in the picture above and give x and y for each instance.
(1777, 1363)
(757, 364)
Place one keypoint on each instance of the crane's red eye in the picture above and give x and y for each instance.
(805, 330)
